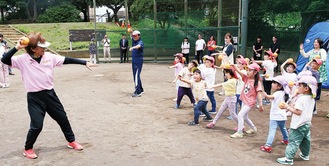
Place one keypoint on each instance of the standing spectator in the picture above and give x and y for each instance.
(4, 44)
(200, 45)
(275, 48)
(210, 45)
(92, 51)
(123, 48)
(4, 79)
(186, 49)
(317, 52)
(258, 49)
(107, 52)
(228, 49)
(137, 50)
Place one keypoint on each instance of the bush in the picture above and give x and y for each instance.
(61, 13)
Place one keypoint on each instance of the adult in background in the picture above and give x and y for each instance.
(4, 44)
(186, 49)
(106, 48)
(37, 70)
(258, 49)
(200, 45)
(210, 45)
(137, 50)
(317, 52)
(275, 48)
(123, 48)
(228, 49)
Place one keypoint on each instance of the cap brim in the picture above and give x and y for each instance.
(43, 45)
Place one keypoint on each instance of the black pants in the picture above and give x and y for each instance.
(198, 56)
(318, 91)
(123, 55)
(186, 57)
(267, 86)
(38, 104)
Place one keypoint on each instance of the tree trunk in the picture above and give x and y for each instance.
(35, 13)
(2, 15)
(28, 10)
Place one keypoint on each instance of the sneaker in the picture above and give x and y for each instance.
(229, 117)
(284, 142)
(207, 119)
(221, 93)
(265, 148)
(305, 158)
(285, 161)
(176, 106)
(175, 99)
(237, 135)
(30, 154)
(192, 123)
(252, 131)
(74, 145)
(315, 112)
(212, 112)
(137, 95)
(236, 129)
(202, 114)
(327, 116)
(210, 125)
(257, 106)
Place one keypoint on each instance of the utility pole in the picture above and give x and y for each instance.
(155, 27)
(244, 27)
(219, 22)
(94, 4)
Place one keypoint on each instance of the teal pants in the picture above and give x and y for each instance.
(299, 138)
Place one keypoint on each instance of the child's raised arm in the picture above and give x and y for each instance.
(238, 70)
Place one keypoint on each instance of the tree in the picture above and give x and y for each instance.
(115, 5)
(83, 6)
(62, 13)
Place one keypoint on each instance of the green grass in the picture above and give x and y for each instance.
(58, 33)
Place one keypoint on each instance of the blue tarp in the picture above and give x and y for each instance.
(318, 30)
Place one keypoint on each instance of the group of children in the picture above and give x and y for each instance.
(292, 95)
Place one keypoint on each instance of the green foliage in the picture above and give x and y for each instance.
(58, 33)
(61, 13)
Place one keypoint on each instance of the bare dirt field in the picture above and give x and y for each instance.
(116, 129)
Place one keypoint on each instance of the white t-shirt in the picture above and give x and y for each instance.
(106, 42)
(276, 113)
(269, 66)
(209, 73)
(199, 90)
(199, 44)
(304, 103)
(185, 47)
(186, 75)
(240, 83)
(289, 76)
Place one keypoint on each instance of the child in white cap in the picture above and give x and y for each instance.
(278, 116)
(300, 135)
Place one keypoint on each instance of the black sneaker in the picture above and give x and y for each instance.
(136, 95)
(207, 119)
(193, 123)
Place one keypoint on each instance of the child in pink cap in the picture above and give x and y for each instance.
(252, 90)
(277, 115)
(178, 65)
(37, 70)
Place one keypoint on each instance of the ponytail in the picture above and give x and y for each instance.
(286, 96)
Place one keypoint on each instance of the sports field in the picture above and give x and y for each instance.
(116, 129)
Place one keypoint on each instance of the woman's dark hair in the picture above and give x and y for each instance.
(320, 41)
(286, 96)
(256, 79)
(229, 71)
(213, 37)
(229, 36)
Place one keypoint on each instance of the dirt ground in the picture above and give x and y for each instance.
(116, 129)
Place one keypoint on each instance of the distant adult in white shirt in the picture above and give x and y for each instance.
(186, 49)
(200, 45)
(106, 48)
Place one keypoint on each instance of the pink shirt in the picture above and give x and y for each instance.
(249, 93)
(37, 77)
(178, 68)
